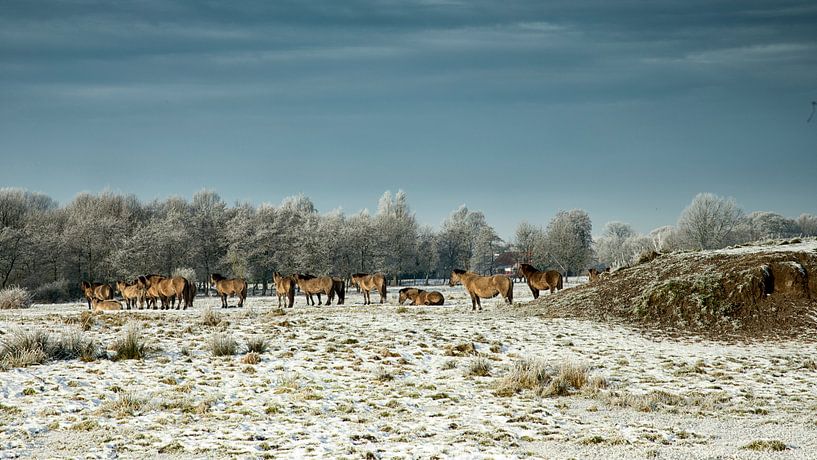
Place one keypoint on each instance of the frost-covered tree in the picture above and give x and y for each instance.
(427, 256)
(569, 239)
(207, 226)
(455, 242)
(485, 248)
(529, 243)
(762, 225)
(709, 222)
(615, 247)
(396, 230)
(665, 239)
(807, 224)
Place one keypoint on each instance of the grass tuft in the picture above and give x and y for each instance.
(130, 346)
(223, 345)
(14, 297)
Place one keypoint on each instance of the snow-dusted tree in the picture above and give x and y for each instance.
(427, 257)
(362, 242)
(396, 230)
(807, 224)
(528, 240)
(762, 225)
(665, 239)
(614, 248)
(569, 239)
(485, 248)
(709, 221)
(207, 226)
(20, 213)
(240, 233)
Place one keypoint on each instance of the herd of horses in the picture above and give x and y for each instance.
(156, 291)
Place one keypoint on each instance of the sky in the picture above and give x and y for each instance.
(626, 109)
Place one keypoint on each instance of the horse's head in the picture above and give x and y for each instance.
(454, 279)
(403, 295)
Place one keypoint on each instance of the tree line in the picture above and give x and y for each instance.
(50, 248)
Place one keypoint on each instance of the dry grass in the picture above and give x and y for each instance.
(127, 404)
(764, 445)
(14, 297)
(130, 346)
(479, 367)
(257, 344)
(545, 380)
(223, 345)
(251, 358)
(210, 317)
(460, 349)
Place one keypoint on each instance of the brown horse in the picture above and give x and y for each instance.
(484, 287)
(105, 305)
(131, 293)
(339, 286)
(99, 291)
(596, 275)
(226, 287)
(173, 291)
(537, 280)
(421, 297)
(285, 288)
(310, 285)
(368, 282)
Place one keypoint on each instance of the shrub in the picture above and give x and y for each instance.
(14, 297)
(24, 348)
(74, 345)
(479, 367)
(209, 317)
(251, 358)
(223, 345)
(545, 380)
(130, 346)
(186, 272)
(257, 344)
(53, 292)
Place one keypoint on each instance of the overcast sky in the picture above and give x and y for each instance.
(518, 109)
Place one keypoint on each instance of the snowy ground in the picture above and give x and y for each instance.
(376, 381)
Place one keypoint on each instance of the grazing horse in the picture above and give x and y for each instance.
(537, 280)
(131, 293)
(99, 291)
(421, 297)
(105, 305)
(226, 287)
(285, 288)
(310, 285)
(368, 282)
(484, 287)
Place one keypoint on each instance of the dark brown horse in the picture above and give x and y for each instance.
(229, 286)
(311, 285)
(285, 288)
(421, 297)
(537, 280)
(98, 291)
(368, 282)
(484, 287)
(339, 286)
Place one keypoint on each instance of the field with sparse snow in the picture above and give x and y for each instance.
(389, 382)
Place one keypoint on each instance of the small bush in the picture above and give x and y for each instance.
(460, 349)
(24, 348)
(14, 297)
(126, 404)
(774, 445)
(545, 380)
(251, 358)
(223, 345)
(131, 346)
(53, 292)
(209, 317)
(257, 344)
(74, 345)
(479, 367)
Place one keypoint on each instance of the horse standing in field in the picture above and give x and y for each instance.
(367, 282)
(98, 291)
(484, 287)
(537, 280)
(131, 293)
(421, 297)
(310, 285)
(227, 287)
(339, 286)
(285, 288)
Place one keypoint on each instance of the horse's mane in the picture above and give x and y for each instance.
(460, 271)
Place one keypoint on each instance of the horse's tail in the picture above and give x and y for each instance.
(510, 290)
(559, 283)
(244, 289)
(382, 287)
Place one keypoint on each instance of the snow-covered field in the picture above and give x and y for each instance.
(380, 382)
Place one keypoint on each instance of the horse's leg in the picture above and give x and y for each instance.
(534, 291)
